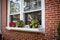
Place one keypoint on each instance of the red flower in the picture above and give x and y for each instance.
(12, 24)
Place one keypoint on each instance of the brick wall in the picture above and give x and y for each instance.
(52, 18)
(52, 14)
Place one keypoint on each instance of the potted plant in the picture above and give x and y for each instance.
(20, 23)
(34, 23)
(58, 30)
(12, 24)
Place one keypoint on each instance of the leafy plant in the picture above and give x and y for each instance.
(20, 23)
(34, 22)
(58, 30)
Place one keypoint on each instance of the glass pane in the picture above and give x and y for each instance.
(26, 5)
(32, 4)
(39, 4)
(15, 17)
(31, 16)
(14, 6)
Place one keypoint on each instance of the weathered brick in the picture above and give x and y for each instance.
(52, 17)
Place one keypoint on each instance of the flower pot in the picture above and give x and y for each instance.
(35, 26)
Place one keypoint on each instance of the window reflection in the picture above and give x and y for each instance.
(33, 15)
(15, 17)
(14, 6)
(32, 4)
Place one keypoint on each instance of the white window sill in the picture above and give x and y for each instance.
(27, 29)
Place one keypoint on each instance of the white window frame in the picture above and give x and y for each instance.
(42, 29)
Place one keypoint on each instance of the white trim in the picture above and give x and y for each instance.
(26, 29)
(43, 13)
(22, 10)
(14, 13)
(8, 11)
(32, 10)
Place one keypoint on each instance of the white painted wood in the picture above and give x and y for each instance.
(8, 11)
(14, 13)
(26, 29)
(32, 10)
(43, 13)
(22, 10)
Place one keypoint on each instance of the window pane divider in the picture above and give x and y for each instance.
(32, 10)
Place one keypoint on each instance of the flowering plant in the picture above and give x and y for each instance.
(12, 24)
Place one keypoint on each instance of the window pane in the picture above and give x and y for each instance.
(15, 17)
(33, 15)
(32, 4)
(26, 4)
(14, 6)
(39, 4)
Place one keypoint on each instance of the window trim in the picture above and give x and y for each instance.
(43, 18)
(43, 14)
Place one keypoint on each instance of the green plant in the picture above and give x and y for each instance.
(58, 30)
(34, 23)
(20, 23)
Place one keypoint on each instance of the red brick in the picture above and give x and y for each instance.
(52, 17)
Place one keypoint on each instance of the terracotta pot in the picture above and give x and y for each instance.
(35, 26)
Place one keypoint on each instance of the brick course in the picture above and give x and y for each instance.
(52, 17)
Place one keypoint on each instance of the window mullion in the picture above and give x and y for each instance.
(22, 10)
(8, 17)
(43, 13)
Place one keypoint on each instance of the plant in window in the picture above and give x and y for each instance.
(12, 24)
(34, 23)
(20, 23)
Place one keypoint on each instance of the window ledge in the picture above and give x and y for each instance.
(27, 29)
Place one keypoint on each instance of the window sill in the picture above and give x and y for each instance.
(27, 29)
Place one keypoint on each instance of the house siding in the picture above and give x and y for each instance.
(52, 17)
